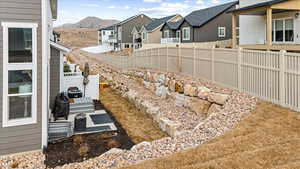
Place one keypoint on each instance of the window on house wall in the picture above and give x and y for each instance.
(103, 33)
(19, 77)
(144, 35)
(119, 33)
(178, 34)
(221, 32)
(283, 30)
(166, 34)
(186, 33)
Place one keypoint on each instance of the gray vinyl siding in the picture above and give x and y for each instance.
(209, 31)
(172, 32)
(183, 25)
(28, 137)
(54, 74)
(127, 27)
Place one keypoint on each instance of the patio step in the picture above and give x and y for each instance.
(82, 110)
(59, 130)
(82, 105)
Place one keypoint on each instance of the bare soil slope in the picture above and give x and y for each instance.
(137, 124)
(78, 38)
(269, 138)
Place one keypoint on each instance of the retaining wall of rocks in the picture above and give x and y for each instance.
(191, 95)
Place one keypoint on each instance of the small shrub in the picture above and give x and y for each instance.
(78, 140)
(14, 164)
(83, 150)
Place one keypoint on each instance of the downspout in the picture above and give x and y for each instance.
(45, 54)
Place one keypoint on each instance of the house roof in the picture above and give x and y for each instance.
(112, 27)
(201, 17)
(158, 22)
(129, 19)
(258, 5)
(60, 47)
(174, 25)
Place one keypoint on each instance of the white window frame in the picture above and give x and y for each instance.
(220, 29)
(274, 30)
(166, 32)
(178, 32)
(19, 66)
(189, 33)
(144, 37)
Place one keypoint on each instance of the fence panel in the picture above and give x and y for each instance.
(292, 80)
(203, 65)
(187, 61)
(261, 74)
(173, 59)
(226, 67)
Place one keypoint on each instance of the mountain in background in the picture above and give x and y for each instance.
(90, 23)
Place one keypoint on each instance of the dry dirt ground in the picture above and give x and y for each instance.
(78, 38)
(137, 124)
(269, 138)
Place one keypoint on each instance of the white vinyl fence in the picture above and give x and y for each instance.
(76, 80)
(272, 76)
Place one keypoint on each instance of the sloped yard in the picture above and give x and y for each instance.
(268, 138)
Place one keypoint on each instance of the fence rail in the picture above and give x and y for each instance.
(272, 76)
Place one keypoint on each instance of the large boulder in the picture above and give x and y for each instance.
(171, 85)
(162, 91)
(199, 106)
(161, 78)
(214, 108)
(218, 98)
(172, 127)
(179, 87)
(203, 92)
(181, 100)
(189, 90)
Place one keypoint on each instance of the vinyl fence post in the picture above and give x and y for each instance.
(167, 58)
(179, 59)
(213, 64)
(151, 55)
(194, 62)
(239, 55)
(281, 77)
(159, 60)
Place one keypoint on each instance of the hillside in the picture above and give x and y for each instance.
(78, 37)
(90, 23)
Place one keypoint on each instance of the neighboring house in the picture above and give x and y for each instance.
(205, 25)
(124, 30)
(24, 55)
(137, 37)
(107, 36)
(171, 32)
(268, 25)
(151, 33)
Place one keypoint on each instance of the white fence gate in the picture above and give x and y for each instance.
(76, 80)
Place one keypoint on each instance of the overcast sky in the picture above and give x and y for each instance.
(71, 11)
